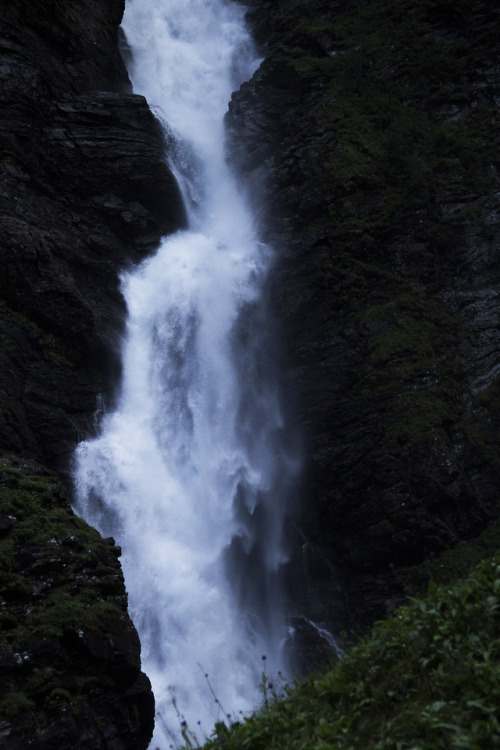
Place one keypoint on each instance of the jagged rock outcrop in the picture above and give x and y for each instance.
(84, 192)
(374, 128)
(69, 654)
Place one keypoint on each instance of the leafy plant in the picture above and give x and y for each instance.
(427, 678)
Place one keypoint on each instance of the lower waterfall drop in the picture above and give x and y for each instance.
(191, 473)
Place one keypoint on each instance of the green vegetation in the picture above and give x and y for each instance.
(452, 564)
(427, 678)
(56, 538)
(15, 705)
(59, 580)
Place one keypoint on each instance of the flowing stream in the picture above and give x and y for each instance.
(191, 473)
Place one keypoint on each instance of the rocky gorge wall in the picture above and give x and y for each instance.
(83, 193)
(372, 130)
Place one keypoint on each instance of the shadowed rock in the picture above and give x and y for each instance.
(371, 130)
(84, 193)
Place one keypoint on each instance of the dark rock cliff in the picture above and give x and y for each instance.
(69, 654)
(83, 193)
(372, 129)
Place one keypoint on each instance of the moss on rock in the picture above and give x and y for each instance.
(66, 637)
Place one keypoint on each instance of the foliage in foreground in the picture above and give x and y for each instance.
(427, 678)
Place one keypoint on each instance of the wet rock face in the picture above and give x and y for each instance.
(372, 131)
(69, 655)
(83, 193)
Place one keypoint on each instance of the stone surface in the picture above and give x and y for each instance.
(84, 193)
(69, 655)
(372, 131)
(369, 137)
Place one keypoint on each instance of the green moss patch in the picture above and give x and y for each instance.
(60, 584)
(452, 564)
(15, 705)
(45, 552)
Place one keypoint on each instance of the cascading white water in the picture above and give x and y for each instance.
(190, 471)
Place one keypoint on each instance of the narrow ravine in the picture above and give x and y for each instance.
(191, 473)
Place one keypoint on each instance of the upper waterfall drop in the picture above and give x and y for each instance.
(191, 473)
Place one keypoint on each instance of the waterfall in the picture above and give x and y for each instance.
(191, 473)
